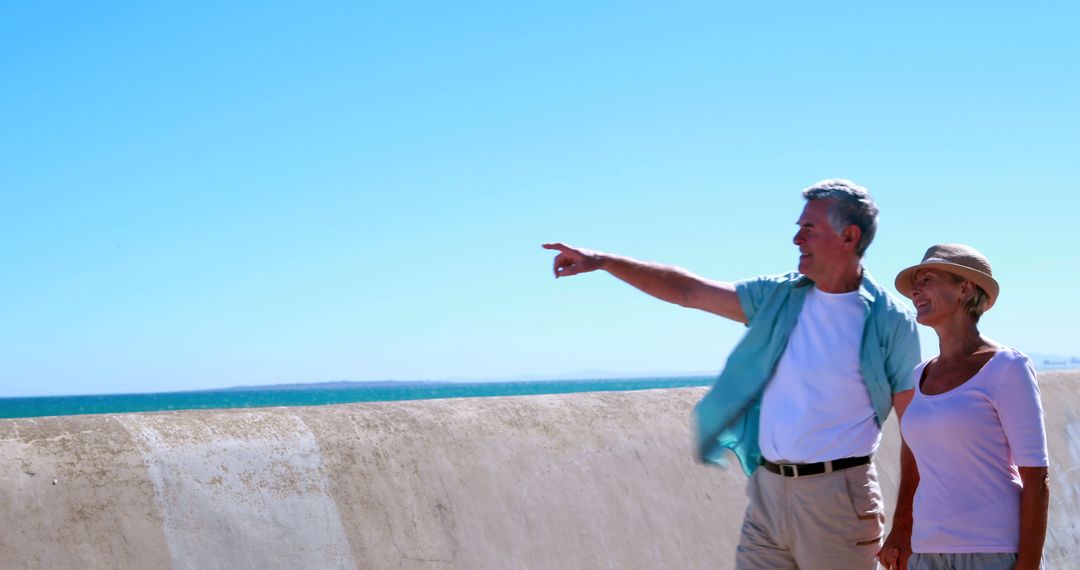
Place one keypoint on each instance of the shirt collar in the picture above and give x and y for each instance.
(867, 285)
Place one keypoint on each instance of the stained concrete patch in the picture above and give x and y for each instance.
(75, 493)
(241, 490)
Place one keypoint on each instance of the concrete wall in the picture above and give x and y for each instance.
(591, 481)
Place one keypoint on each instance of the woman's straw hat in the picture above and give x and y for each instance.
(957, 259)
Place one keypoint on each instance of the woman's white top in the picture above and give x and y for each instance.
(968, 443)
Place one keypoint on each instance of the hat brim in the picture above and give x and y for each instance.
(905, 280)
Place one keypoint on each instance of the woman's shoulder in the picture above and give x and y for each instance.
(1010, 357)
(1012, 369)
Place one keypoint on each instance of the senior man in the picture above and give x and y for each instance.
(826, 356)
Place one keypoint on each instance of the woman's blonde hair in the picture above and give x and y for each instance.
(976, 305)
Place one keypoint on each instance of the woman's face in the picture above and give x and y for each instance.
(937, 296)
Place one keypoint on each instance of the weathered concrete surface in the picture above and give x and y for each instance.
(74, 492)
(1061, 401)
(566, 481)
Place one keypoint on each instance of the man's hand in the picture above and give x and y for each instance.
(572, 261)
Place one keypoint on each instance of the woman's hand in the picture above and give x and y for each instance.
(896, 549)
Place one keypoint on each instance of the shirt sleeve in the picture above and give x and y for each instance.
(902, 354)
(753, 292)
(1020, 409)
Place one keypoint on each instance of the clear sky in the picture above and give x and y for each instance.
(201, 195)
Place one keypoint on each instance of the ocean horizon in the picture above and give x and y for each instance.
(323, 393)
(347, 392)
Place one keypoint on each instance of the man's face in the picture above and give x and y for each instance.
(821, 249)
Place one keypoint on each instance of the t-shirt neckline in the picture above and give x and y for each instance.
(922, 377)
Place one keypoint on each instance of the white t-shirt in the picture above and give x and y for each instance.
(968, 443)
(816, 406)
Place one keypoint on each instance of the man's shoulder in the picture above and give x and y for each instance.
(790, 279)
(767, 291)
(886, 304)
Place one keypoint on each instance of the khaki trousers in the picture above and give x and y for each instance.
(821, 522)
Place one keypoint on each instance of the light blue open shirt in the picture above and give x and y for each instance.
(727, 417)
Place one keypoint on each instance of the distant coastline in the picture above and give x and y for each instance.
(591, 376)
(1042, 362)
(1054, 361)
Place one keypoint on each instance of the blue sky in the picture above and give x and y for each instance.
(214, 195)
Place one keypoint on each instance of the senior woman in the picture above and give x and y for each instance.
(974, 487)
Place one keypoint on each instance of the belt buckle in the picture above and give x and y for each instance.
(794, 471)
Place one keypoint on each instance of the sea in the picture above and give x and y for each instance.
(321, 394)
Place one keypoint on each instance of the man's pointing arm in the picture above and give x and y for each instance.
(665, 282)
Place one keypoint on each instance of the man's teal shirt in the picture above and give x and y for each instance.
(727, 417)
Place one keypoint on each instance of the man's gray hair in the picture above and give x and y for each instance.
(851, 204)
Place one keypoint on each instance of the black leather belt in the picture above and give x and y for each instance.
(805, 469)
